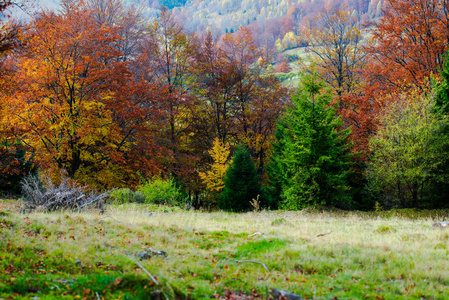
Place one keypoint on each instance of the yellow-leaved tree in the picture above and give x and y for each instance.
(214, 178)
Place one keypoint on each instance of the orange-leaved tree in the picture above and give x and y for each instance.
(408, 46)
(169, 53)
(78, 105)
(15, 160)
(236, 102)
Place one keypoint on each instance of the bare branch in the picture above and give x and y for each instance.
(254, 262)
(148, 273)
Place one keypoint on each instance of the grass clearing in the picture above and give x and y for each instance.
(89, 256)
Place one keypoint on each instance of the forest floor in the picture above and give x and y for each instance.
(143, 252)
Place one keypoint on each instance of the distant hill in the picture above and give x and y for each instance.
(273, 22)
(230, 15)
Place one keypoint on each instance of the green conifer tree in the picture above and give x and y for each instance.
(440, 191)
(310, 161)
(241, 182)
(442, 89)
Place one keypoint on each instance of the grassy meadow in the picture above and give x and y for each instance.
(317, 255)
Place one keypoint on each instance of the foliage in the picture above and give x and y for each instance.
(241, 182)
(410, 146)
(408, 47)
(214, 178)
(283, 68)
(75, 101)
(169, 53)
(335, 42)
(289, 41)
(409, 43)
(125, 195)
(236, 103)
(310, 161)
(15, 163)
(220, 155)
(160, 191)
(442, 88)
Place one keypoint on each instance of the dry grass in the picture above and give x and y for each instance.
(359, 257)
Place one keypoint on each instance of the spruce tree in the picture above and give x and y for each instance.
(440, 189)
(310, 162)
(241, 182)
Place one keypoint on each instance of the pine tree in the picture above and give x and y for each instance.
(241, 182)
(440, 190)
(310, 162)
(442, 89)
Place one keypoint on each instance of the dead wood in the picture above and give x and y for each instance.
(440, 224)
(321, 234)
(254, 262)
(148, 273)
(258, 233)
(43, 195)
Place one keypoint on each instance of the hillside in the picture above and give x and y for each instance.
(269, 20)
(274, 18)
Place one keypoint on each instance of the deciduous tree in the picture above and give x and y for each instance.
(335, 42)
(15, 159)
(214, 178)
(78, 105)
(236, 102)
(407, 151)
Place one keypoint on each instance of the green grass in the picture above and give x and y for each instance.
(376, 255)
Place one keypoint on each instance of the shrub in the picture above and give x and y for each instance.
(122, 196)
(160, 191)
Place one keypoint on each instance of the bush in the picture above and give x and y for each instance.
(160, 191)
(122, 196)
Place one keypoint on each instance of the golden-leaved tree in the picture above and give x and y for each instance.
(214, 178)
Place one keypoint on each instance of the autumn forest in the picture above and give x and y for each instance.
(186, 114)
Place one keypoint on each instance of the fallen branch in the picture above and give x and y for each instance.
(254, 262)
(258, 233)
(110, 218)
(148, 273)
(321, 234)
(440, 224)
